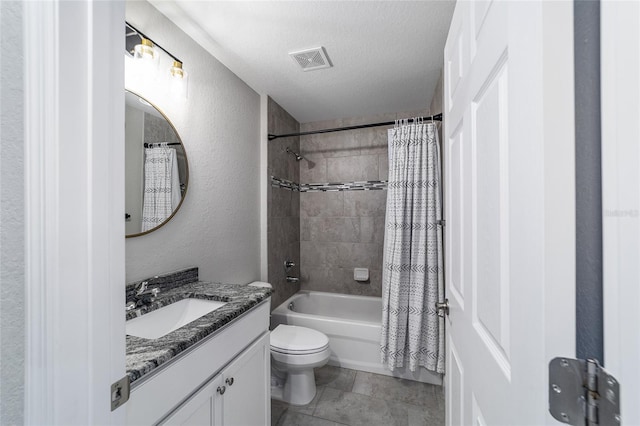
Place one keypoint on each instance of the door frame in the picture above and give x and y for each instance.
(620, 67)
(74, 203)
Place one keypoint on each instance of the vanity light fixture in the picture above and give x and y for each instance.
(149, 52)
(146, 50)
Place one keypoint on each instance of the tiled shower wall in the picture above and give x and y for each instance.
(283, 206)
(340, 231)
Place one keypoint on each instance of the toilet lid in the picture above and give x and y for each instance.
(297, 340)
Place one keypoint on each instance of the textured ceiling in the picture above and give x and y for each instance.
(387, 55)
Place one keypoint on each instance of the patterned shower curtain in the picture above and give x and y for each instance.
(412, 278)
(161, 186)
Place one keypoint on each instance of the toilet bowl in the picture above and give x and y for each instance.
(295, 352)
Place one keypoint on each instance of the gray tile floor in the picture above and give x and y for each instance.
(350, 397)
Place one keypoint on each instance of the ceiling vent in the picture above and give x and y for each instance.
(311, 59)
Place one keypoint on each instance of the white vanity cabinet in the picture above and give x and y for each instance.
(222, 380)
(238, 396)
(247, 398)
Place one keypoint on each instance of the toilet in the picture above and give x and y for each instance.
(295, 352)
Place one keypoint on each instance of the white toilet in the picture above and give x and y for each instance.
(295, 352)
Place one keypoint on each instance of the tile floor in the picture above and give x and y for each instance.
(350, 397)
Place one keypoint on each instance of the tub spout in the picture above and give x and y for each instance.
(292, 279)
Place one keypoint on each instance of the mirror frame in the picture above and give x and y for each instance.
(186, 160)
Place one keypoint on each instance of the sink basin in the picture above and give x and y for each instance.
(163, 321)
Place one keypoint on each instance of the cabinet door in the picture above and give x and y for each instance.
(247, 401)
(201, 409)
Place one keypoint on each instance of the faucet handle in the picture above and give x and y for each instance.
(288, 264)
(142, 287)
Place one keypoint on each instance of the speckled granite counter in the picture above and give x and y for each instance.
(146, 355)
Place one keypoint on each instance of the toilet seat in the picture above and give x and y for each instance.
(290, 352)
(294, 340)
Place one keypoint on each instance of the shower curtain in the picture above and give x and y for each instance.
(161, 186)
(412, 279)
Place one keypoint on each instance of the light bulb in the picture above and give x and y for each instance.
(177, 71)
(179, 79)
(146, 52)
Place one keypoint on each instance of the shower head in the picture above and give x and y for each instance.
(295, 154)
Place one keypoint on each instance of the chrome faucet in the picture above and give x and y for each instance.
(144, 295)
(288, 264)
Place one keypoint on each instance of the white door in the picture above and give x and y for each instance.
(620, 62)
(509, 208)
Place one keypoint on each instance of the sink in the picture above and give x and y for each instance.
(163, 321)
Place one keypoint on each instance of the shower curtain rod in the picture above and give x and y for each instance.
(437, 117)
(160, 144)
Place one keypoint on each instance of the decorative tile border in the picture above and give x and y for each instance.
(369, 185)
(284, 184)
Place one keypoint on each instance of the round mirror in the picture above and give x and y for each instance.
(157, 171)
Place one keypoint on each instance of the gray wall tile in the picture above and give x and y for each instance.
(322, 204)
(281, 203)
(329, 145)
(372, 141)
(295, 204)
(331, 229)
(372, 229)
(283, 206)
(365, 203)
(367, 230)
(314, 254)
(351, 169)
(383, 166)
(313, 169)
(359, 255)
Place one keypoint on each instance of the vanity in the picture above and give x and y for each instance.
(213, 370)
(197, 353)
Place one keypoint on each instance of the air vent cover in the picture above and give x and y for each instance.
(311, 59)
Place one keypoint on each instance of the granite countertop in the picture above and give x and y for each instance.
(146, 355)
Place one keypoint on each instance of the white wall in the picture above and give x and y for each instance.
(435, 107)
(134, 138)
(218, 225)
(11, 216)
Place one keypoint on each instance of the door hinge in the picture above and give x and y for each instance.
(119, 392)
(581, 392)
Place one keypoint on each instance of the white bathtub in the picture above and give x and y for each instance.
(352, 324)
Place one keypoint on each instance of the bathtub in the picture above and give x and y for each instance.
(352, 324)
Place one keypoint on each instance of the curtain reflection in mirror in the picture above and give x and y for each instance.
(162, 192)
